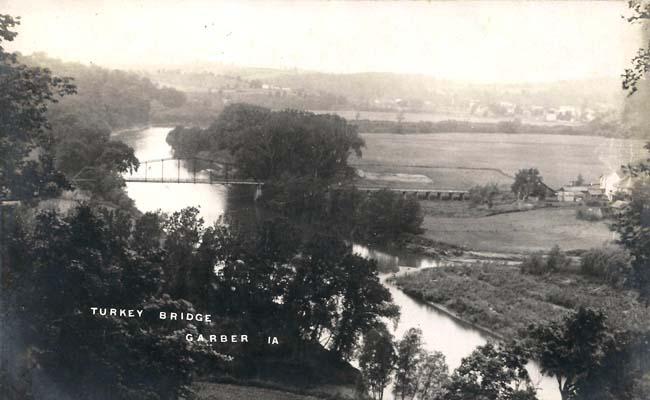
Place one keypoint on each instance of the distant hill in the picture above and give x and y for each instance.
(366, 88)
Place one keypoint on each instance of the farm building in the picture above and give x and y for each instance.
(581, 193)
(572, 193)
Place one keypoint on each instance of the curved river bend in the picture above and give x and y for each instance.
(441, 332)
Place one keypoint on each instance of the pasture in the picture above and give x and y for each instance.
(461, 160)
(519, 232)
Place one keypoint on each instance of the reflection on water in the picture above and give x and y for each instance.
(441, 332)
(395, 259)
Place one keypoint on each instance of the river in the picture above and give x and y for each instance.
(441, 332)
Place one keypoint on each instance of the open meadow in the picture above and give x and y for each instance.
(461, 160)
(517, 232)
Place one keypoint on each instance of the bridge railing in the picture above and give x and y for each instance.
(181, 170)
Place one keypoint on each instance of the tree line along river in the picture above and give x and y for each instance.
(441, 331)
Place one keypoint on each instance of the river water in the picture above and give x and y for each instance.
(441, 332)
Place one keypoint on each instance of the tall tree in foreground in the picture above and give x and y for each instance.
(633, 223)
(571, 348)
(377, 360)
(409, 358)
(633, 226)
(25, 94)
(492, 373)
(62, 265)
(433, 376)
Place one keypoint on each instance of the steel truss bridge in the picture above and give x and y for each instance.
(205, 171)
(195, 170)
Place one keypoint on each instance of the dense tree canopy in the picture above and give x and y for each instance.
(25, 95)
(384, 216)
(266, 145)
(113, 98)
(60, 267)
(569, 349)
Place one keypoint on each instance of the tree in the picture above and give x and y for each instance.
(409, 358)
(640, 62)
(170, 97)
(528, 182)
(400, 119)
(433, 376)
(611, 264)
(25, 94)
(383, 216)
(377, 360)
(479, 195)
(60, 267)
(580, 180)
(557, 260)
(633, 223)
(336, 291)
(183, 232)
(571, 348)
(492, 373)
(266, 144)
(633, 227)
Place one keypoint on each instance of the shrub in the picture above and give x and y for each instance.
(564, 298)
(610, 264)
(535, 264)
(557, 260)
(479, 195)
(589, 214)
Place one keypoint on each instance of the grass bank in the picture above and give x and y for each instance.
(503, 300)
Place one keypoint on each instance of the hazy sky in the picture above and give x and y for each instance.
(476, 41)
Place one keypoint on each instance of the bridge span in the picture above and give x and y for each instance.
(211, 172)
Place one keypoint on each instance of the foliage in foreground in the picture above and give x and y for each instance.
(489, 372)
(267, 283)
(590, 360)
(492, 372)
(60, 267)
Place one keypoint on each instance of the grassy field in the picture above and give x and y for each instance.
(517, 232)
(560, 158)
(429, 177)
(506, 301)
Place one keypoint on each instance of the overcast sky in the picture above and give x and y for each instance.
(472, 41)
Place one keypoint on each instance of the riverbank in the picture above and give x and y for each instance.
(501, 299)
(405, 271)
